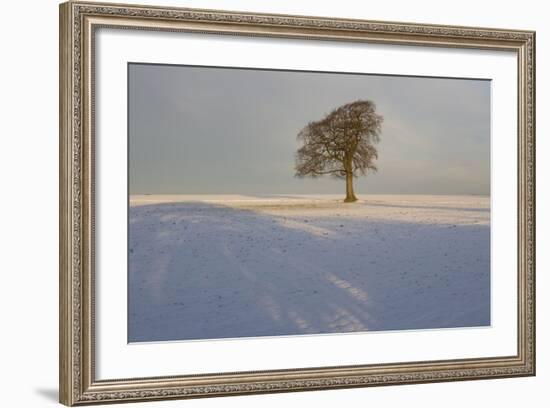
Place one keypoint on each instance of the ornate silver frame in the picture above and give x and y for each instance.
(78, 22)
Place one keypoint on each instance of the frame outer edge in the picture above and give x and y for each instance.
(532, 167)
(534, 237)
(77, 385)
(526, 204)
(66, 372)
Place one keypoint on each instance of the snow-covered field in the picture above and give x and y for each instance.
(203, 267)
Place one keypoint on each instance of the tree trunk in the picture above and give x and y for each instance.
(350, 195)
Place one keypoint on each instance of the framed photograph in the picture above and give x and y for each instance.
(256, 203)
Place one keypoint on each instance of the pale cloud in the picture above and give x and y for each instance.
(219, 130)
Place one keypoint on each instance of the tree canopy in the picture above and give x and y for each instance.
(341, 144)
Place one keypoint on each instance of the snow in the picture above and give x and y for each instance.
(206, 267)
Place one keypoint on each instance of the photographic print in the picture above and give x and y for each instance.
(280, 203)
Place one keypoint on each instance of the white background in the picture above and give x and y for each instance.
(28, 218)
(117, 359)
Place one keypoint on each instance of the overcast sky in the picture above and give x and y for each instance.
(196, 130)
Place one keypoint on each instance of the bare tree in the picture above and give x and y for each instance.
(341, 144)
